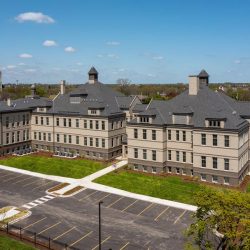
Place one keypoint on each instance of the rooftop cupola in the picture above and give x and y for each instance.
(204, 77)
(93, 75)
(33, 90)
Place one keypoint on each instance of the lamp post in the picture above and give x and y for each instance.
(100, 236)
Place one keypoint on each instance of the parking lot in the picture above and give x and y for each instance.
(24, 188)
(126, 223)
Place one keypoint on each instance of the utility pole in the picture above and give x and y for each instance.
(100, 236)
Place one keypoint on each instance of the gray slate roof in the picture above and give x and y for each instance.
(25, 104)
(207, 104)
(139, 107)
(96, 96)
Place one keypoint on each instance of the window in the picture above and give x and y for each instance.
(77, 139)
(7, 138)
(85, 124)
(35, 135)
(184, 171)
(91, 124)
(169, 135)
(214, 123)
(103, 143)
(64, 122)
(215, 143)
(39, 136)
(169, 170)
(27, 119)
(44, 136)
(192, 172)
(57, 122)
(169, 155)
(96, 124)
(47, 121)
(184, 157)
(144, 134)
(91, 142)
(144, 154)
(215, 162)
(153, 135)
(85, 141)
(93, 112)
(49, 136)
(23, 120)
(177, 171)
(103, 125)
(135, 167)
(203, 139)
(77, 123)
(154, 155)
(226, 164)
(144, 119)
(145, 169)
(70, 138)
(177, 156)
(41, 120)
(177, 135)
(97, 142)
(226, 141)
(184, 135)
(135, 133)
(36, 119)
(65, 138)
(192, 157)
(57, 137)
(226, 180)
(215, 178)
(203, 161)
(24, 134)
(69, 121)
(154, 170)
(18, 136)
(203, 177)
(135, 152)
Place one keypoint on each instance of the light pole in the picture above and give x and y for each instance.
(100, 236)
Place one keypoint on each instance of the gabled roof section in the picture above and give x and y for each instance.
(93, 71)
(124, 102)
(207, 104)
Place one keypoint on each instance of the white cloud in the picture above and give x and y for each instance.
(36, 17)
(21, 64)
(11, 67)
(49, 43)
(237, 61)
(25, 55)
(113, 43)
(69, 49)
(150, 75)
(112, 56)
(100, 56)
(79, 64)
(30, 70)
(158, 57)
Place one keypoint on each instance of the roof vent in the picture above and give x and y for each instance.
(234, 112)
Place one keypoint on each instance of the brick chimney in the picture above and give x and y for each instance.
(194, 85)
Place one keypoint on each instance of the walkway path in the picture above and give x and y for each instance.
(87, 182)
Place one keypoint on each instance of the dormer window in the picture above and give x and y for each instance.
(214, 123)
(144, 119)
(93, 112)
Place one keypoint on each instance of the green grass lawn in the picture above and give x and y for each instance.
(170, 187)
(248, 188)
(74, 168)
(10, 244)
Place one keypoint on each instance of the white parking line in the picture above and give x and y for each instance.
(180, 216)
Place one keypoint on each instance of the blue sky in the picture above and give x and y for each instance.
(147, 41)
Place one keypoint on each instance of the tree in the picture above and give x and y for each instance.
(124, 86)
(223, 213)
